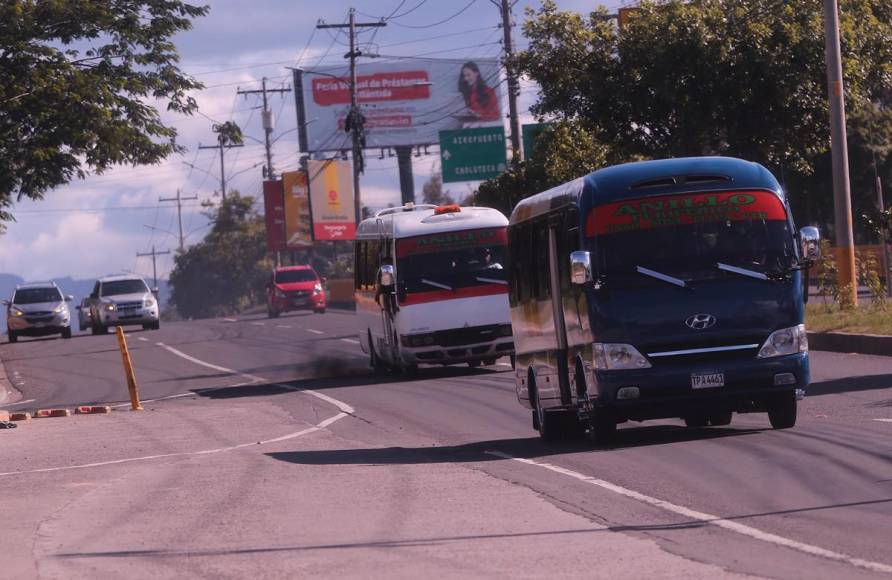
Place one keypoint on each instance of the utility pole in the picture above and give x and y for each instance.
(154, 254)
(842, 198)
(179, 200)
(355, 120)
(267, 124)
(513, 88)
(222, 148)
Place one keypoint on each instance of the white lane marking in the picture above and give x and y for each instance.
(345, 411)
(143, 339)
(25, 402)
(258, 324)
(706, 518)
(343, 407)
(230, 320)
(314, 331)
(884, 420)
(350, 340)
(283, 326)
(312, 429)
(503, 365)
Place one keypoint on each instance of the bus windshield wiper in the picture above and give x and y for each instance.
(491, 280)
(436, 284)
(742, 271)
(664, 277)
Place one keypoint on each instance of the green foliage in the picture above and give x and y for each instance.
(744, 78)
(432, 191)
(566, 151)
(869, 275)
(77, 79)
(828, 272)
(228, 270)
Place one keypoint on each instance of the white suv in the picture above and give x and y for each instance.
(122, 301)
(37, 310)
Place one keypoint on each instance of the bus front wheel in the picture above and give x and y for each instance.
(782, 411)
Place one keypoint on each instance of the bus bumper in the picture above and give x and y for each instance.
(667, 392)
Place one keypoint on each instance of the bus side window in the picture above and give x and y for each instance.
(523, 264)
(541, 289)
(358, 265)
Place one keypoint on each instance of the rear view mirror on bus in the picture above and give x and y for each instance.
(810, 244)
(580, 267)
(385, 276)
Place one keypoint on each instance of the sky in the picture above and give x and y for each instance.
(97, 226)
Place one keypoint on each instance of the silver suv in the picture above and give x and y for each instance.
(37, 310)
(122, 301)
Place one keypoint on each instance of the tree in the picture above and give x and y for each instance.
(565, 151)
(228, 270)
(78, 80)
(432, 191)
(744, 78)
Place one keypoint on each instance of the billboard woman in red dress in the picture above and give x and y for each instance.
(480, 99)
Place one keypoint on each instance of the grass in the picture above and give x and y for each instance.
(865, 319)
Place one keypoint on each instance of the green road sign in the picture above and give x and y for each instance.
(530, 133)
(472, 154)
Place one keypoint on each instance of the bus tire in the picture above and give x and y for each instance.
(550, 424)
(720, 418)
(696, 420)
(604, 428)
(782, 411)
(378, 367)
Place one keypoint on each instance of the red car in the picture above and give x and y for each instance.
(294, 288)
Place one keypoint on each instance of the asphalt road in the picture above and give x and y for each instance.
(239, 470)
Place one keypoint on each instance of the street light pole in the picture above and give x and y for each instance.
(842, 199)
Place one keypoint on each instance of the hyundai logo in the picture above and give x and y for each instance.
(701, 321)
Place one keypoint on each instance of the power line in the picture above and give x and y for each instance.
(444, 21)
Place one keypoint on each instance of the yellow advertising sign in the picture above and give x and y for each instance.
(297, 209)
(331, 197)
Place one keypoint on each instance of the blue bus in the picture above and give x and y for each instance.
(659, 289)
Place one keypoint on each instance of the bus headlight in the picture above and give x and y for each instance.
(785, 341)
(618, 357)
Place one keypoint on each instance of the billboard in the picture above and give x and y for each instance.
(274, 212)
(297, 209)
(331, 198)
(404, 103)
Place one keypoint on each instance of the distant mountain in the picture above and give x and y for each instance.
(78, 288)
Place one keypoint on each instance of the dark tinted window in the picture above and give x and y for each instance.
(118, 287)
(291, 276)
(36, 295)
(452, 259)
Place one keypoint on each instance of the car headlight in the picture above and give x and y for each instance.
(149, 302)
(618, 357)
(59, 309)
(110, 307)
(317, 289)
(16, 312)
(785, 341)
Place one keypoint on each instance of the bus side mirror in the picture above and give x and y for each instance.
(580, 268)
(810, 244)
(386, 278)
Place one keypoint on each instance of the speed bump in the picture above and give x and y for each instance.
(92, 410)
(42, 413)
(20, 416)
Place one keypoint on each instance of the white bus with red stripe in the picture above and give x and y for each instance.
(430, 286)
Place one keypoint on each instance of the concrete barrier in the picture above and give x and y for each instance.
(875, 344)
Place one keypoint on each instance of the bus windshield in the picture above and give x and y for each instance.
(451, 260)
(691, 237)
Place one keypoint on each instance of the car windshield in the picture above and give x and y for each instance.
(451, 260)
(290, 276)
(693, 237)
(118, 287)
(36, 295)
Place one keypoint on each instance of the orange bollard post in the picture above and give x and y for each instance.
(135, 405)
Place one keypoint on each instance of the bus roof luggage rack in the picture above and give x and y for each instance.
(403, 208)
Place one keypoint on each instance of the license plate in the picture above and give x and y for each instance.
(707, 380)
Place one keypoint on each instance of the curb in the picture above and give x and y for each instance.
(7, 393)
(44, 413)
(874, 344)
(92, 410)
